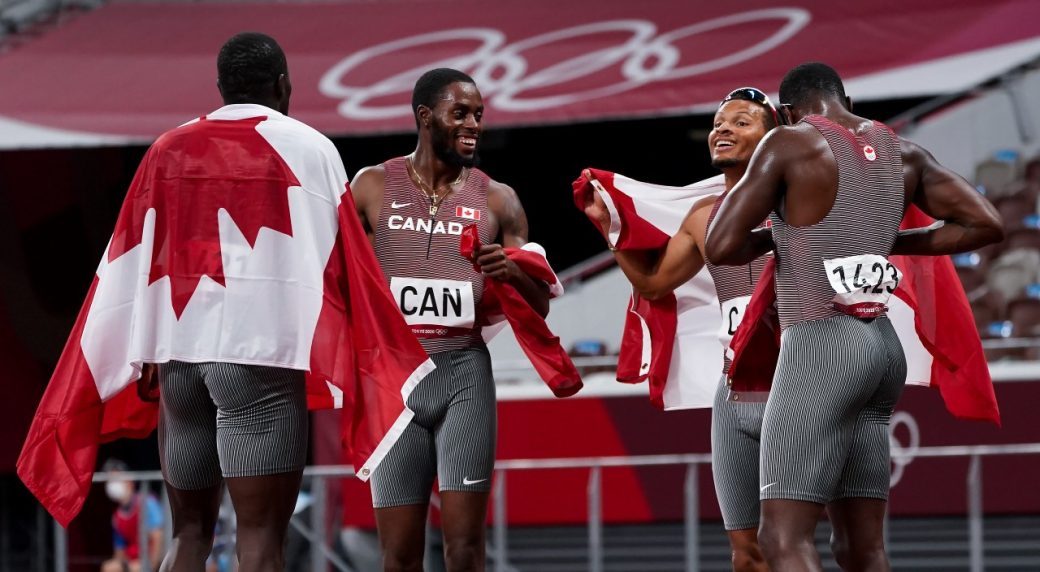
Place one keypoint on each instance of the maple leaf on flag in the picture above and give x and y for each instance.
(187, 176)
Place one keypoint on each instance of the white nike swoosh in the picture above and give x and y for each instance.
(763, 489)
(394, 205)
(466, 481)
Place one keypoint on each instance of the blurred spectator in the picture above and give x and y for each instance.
(131, 507)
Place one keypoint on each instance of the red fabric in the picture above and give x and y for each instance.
(756, 343)
(57, 460)
(661, 322)
(942, 318)
(636, 233)
(375, 355)
(543, 348)
(946, 326)
(185, 256)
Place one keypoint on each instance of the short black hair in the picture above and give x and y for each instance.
(806, 82)
(248, 65)
(430, 86)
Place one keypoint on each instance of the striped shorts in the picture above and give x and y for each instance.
(736, 429)
(825, 429)
(451, 437)
(219, 420)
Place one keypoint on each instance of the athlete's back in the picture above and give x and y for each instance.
(837, 264)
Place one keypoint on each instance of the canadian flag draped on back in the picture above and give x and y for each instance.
(930, 312)
(238, 241)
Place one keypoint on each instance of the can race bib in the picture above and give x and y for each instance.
(863, 284)
(732, 314)
(443, 307)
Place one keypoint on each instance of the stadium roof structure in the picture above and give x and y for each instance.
(126, 72)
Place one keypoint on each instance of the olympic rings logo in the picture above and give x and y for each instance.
(902, 455)
(506, 77)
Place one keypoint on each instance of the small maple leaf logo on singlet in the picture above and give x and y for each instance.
(869, 153)
(187, 176)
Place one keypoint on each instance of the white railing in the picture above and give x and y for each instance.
(322, 555)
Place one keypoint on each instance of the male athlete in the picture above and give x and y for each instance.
(836, 187)
(743, 118)
(414, 209)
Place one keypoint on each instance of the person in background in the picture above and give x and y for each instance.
(131, 507)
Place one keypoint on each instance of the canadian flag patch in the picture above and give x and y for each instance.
(869, 153)
(466, 212)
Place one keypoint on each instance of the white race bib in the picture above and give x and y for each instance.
(434, 302)
(862, 284)
(732, 313)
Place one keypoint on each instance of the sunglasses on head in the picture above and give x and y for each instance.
(755, 96)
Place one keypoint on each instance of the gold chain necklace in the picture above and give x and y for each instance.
(431, 194)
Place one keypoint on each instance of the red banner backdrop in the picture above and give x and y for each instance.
(127, 72)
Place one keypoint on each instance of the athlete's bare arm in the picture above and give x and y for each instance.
(367, 188)
(657, 273)
(512, 229)
(733, 238)
(970, 221)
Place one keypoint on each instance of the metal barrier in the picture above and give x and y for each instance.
(322, 555)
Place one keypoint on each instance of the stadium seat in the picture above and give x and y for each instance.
(1022, 188)
(1017, 268)
(986, 309)
(1031, 173)
(1024, 314)
(1023, 239)
(1001, 329)
(1015, 209)
(972, 278)
(591, 348)
(998, 172)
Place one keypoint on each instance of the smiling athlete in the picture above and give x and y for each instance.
(414, 209)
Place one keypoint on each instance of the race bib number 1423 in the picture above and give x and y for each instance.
(862, 284)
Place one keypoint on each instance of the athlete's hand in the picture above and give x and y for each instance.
(597, 211)
(495, 264)
(148, 384)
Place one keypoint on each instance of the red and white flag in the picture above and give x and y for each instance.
(467, 212)
(671, 342)
(238, 242)
(502, 303)
(929, 312)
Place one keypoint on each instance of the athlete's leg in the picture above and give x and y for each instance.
(857, 539)
(263, 507)
(787, 532)
(262, 439)
(735, 431)
(463, 519)
(466, 459)
(827, 372)
(403, 481)
(858, 513)
(190, 463)
(195, 515)
(402, 536)
(747, 554)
